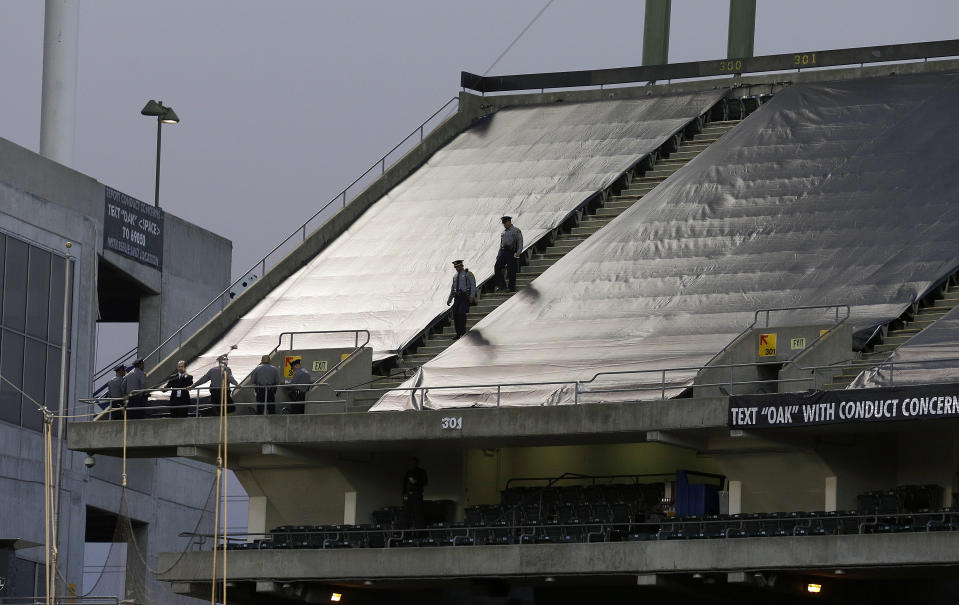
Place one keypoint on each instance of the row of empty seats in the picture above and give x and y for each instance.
(751, 525)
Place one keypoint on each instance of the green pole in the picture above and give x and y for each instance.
(656, 32)
(742, 28)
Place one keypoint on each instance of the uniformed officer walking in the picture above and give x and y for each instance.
(117, 390)
(462, 295)
(510, 248)
(298, 393)
(265, 377)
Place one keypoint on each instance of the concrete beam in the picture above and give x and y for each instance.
(644, 558)
(386, 431)
(667, 438)
(196, 453)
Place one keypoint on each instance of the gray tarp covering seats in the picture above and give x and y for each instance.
(928, 357)
(390, 272)
(830, 193)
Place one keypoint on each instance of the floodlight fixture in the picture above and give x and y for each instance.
(814, 588)
(336, 597)
(164, 115)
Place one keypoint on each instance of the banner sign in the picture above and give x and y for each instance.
(842, 407)
(132, 228)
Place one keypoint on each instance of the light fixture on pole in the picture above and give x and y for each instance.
(164, 115)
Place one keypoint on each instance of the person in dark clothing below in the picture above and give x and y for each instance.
(298, 393)
(116, 391)
(265, 377)
(215, 377)
(136, 383)
(180, 384)
(414, 481)
(462, 295)
(510, 248)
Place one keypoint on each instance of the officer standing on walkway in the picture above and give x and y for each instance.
(510, 247)
(265, 377)
(117, 390)
(462, 295)
(215, 377)
(136, 384)
(298, 393)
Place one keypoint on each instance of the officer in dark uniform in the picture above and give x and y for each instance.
(510, 248)
(462, 295)
(117, 390)
(179, 384)
(136, 383)
(215, 377)
(298, 393)
(414, 481)
(265, 377)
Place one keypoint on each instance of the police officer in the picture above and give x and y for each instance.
(117, 390)
(510, 247)
(136, 383)
(179, 384)
(462, 295)
(215, 377)
(298, 393)
(265, 377)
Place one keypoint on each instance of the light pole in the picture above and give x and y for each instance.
(164, 115)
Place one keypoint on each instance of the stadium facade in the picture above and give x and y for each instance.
(661, 411)
(129, 262)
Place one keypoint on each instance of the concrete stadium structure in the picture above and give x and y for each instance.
(324, 487)
(43, 206)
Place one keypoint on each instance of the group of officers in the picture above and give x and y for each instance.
(130, 389)
(463, 291)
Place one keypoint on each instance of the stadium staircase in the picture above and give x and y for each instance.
(540, 260)
(899, 332)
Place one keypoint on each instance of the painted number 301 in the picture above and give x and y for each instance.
(454, 424)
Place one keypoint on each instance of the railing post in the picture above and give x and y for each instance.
(344, 198)
(383, 166)
(892, 378)
(498, 392)
(576, 392)
(421, 133)
(663, 385)
(730, 379)
(303, 239)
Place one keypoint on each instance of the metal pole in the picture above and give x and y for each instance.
(156, 189)
(64, 377)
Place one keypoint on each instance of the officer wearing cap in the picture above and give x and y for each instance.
(510, 247)
(297, 393)
(462, 295)
(215, 377)
(117, 389)
(136, 383)
(265, 377)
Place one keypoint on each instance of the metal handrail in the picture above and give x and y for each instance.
(357, 347)
(261, 264)
(499, 386)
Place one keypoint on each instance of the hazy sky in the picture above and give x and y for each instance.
(283, 103)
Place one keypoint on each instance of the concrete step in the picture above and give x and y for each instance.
(685, 154)
(660, 172)
(950, 301)
(688, 147)
(611, 212)
(617, 203)
(561, 248)
(588, 230)
(646, 179)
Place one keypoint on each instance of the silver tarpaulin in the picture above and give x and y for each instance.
(929, 357)
(390, 272)
(837, 193)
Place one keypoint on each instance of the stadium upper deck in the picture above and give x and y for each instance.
(740, 221)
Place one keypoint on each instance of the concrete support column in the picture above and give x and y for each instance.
(735, 497)
(832, 494)
(256, 515)
(742, 28)
(656, 32)
(58, 102)
(349, 508)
